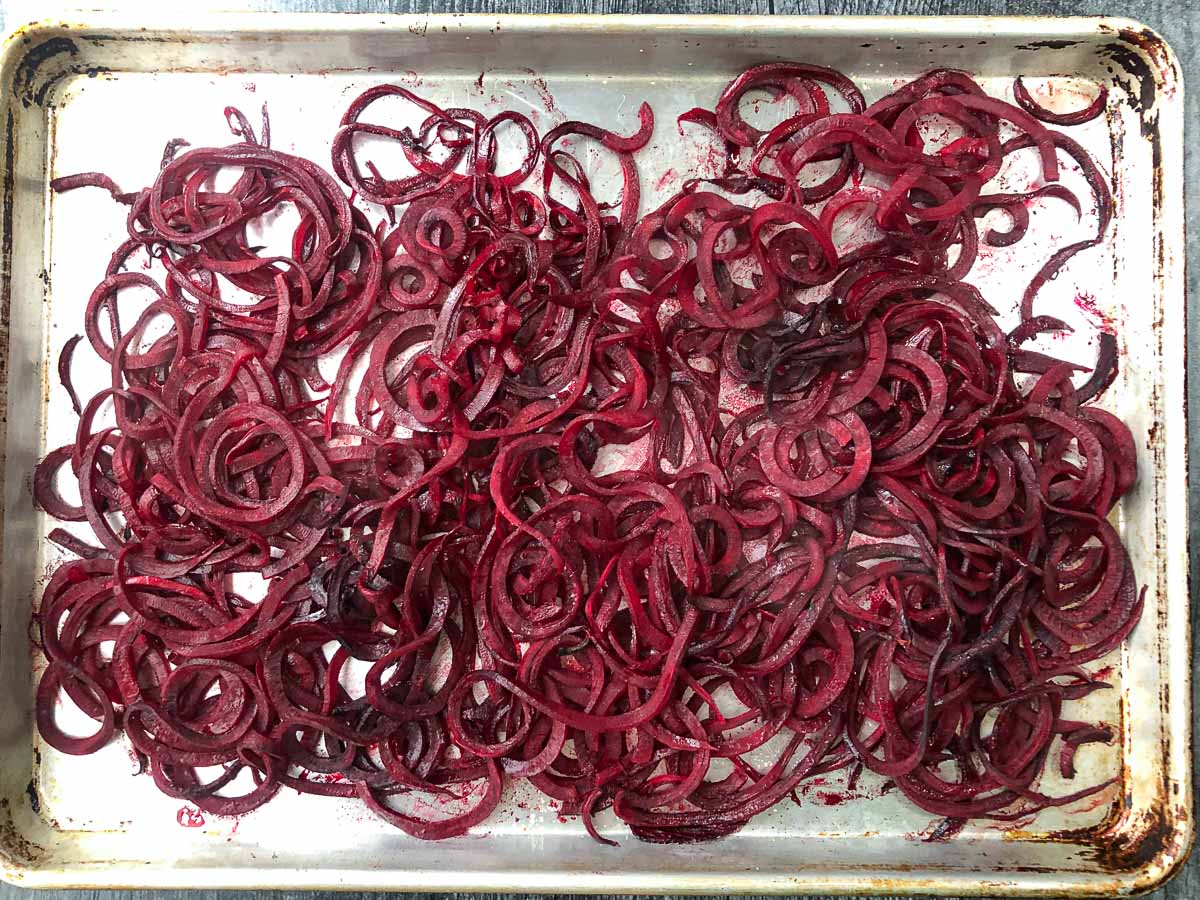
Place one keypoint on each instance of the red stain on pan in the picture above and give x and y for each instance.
(1087, 302)
(189, 817)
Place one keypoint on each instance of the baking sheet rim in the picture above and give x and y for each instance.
(1174, 644)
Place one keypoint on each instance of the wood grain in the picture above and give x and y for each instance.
(1176, 20)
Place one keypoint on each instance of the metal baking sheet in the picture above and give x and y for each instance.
(107, 93)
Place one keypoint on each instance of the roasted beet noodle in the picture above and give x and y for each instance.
(660, 512)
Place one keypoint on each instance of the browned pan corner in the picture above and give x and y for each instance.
(17, 851)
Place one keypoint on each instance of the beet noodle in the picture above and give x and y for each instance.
(663, 512)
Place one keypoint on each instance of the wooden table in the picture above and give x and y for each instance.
(1177, 20)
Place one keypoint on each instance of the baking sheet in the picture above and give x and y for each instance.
(107, 96)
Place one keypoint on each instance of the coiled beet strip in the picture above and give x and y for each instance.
(664, 512)
(1035, 109)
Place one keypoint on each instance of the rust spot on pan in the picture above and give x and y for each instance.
(1140, 83)
(44, 63)
(9, 189)
(35, 800)
(14, 845)
(1158, 195)
(1152, 843)
(30, 82)
(945, 831)
(1141, 65)
(1048, 45)
(1153, 838)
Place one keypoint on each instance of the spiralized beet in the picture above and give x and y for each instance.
(662, 512)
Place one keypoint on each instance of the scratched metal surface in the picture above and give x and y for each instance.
(1178, 29)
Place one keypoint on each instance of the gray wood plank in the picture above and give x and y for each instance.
(1177, 20)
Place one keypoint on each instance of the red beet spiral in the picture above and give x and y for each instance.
(661, 512)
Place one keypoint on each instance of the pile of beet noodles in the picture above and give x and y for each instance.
(661, 513)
